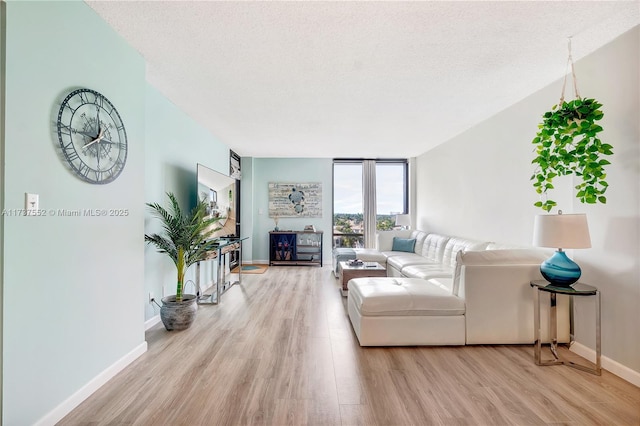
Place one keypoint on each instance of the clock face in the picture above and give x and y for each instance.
(92, 136)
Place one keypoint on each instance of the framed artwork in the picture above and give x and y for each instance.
(295, 199)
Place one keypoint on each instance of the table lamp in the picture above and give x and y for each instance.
(403, 220)
(561, 231)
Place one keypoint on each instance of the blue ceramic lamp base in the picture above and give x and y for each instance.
(559, 270)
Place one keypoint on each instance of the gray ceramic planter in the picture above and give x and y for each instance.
(178, 315)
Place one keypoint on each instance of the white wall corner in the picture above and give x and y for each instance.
(93, 385)
(608, 364)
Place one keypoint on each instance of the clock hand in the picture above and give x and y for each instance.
(98, 116)
(83, 115)
(84, 133)
(90, 143)
(97, 139)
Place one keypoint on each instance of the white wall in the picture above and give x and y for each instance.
(72, 285)
(477, 185)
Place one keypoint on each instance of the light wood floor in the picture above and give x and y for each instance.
(279, 350)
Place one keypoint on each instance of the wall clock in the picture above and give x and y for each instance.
(92, 136)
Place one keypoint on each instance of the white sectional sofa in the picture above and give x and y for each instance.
(449, 291)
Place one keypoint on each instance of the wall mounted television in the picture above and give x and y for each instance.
(221, 192)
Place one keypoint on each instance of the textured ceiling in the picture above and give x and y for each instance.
(351, 78)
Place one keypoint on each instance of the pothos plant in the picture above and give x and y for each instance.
(567, 143)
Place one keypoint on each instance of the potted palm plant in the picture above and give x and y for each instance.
(186, 239)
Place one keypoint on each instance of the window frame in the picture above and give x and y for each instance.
(337, 161)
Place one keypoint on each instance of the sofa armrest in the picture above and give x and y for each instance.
(499, 298)
(384, 239)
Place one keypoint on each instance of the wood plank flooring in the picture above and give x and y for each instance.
(279, 350)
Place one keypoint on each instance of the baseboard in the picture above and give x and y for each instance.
(151, 322)
(94, 384)
(608, 364)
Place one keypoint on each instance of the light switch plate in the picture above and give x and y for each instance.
(31, 201)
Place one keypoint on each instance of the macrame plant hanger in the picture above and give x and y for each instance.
(573, 75)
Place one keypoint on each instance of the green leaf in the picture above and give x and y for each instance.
(567, 144)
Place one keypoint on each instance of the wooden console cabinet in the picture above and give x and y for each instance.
(295, 248)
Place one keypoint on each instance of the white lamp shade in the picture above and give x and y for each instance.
(403, 220)
(567, 231)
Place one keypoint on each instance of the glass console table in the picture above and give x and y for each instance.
(221, 281)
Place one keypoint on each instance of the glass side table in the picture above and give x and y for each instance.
(576, 289)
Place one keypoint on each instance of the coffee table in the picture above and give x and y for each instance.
(348, 272)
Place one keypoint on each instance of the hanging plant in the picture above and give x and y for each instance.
(567, 143)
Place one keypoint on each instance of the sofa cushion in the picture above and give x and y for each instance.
(403, 297)
(433, 248)
(403, 244)
(399, 260)
(433, 270)
(419, 236)
(531, 256)
(455, 245)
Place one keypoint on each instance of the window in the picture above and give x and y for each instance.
(391, 191)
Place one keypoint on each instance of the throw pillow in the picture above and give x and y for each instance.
(403, 244)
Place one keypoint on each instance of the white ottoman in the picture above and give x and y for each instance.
(405, 312)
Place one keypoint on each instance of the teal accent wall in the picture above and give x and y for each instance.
(267, 170)
(175, 144)
(72, 285)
